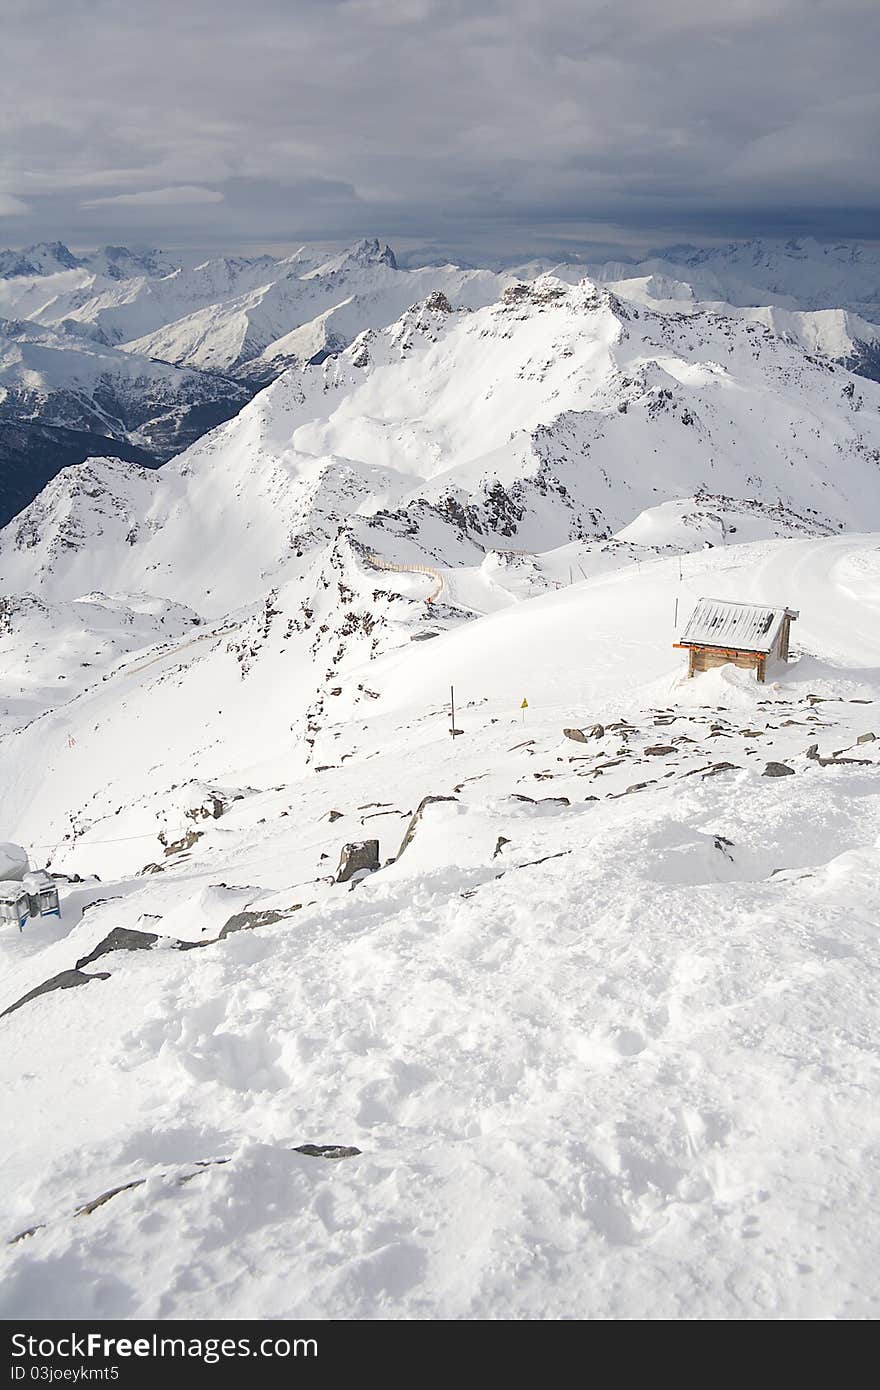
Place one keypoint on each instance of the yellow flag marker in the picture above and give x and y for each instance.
(525, 703)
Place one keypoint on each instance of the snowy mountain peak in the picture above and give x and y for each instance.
(42, 258)
(367, 252)
(119, 263)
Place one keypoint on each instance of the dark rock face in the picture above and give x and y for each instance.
(777, 770)
(360, 857)
(68, 979)
(120, 939)
(327, 1150)
(127, 939)
(577, 735)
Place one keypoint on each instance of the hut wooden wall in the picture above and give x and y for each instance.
(704, 658)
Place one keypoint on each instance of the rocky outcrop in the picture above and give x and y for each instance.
(67, 979)
(357, 859)
(128, 939)
(246, 921)
(327, 1150)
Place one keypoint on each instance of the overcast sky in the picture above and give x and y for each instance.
(485, 128)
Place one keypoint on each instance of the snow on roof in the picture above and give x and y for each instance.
(749, 627)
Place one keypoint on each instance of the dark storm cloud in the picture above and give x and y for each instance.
(491, 123)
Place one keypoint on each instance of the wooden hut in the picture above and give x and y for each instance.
(745, 634)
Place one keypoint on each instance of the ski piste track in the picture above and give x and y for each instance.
(429, 570)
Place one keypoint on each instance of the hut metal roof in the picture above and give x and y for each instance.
(747, 627)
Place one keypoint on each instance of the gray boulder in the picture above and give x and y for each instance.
(246, 921)
(327, 1150)
(361, 857)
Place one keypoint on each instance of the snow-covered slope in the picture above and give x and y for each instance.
(43, 258)
(836, 334)
(295, 318)
(594, 1038)
(63, 397)
(114, 262)
(254, 317)
(60, 379)
(554, 415)
(598, 1042)
(807, 273)
(801, 273)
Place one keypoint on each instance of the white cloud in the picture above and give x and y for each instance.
(181, 195)
(12, 207)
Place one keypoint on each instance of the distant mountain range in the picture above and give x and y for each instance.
(135, 355)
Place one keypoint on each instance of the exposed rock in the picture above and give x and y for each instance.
(777, 770)
(23, 1235)
(334, 815)
(866, 738)
(246, 921)
(720, 767)
(577, 735)
(634, 787)
(660, 750)
(417, 816)
(502, 841)
(185, 842)
(67, 979)
(127, 939)
(360, 857)
(327, 1150)
(88, 1207)
(120, 939)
